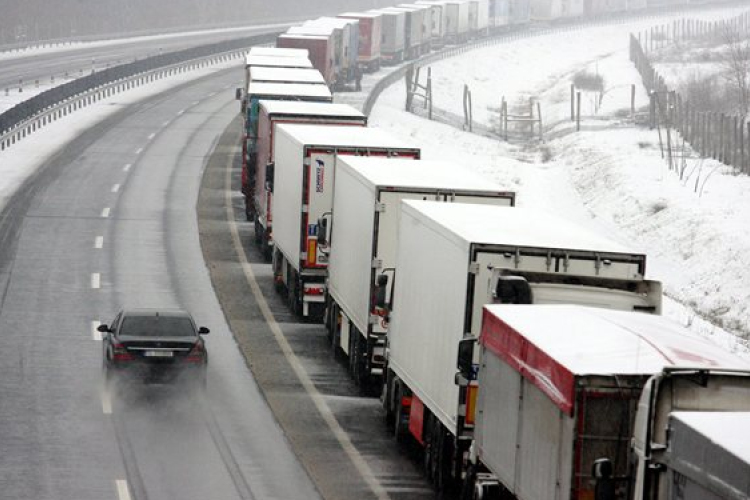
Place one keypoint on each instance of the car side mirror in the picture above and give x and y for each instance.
(238, 93)
(103, 328)
(269, 176)
(203, 331)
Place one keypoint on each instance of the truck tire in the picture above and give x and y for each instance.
(388, 398)
(266, 247)
(258, 237)
(400, 426)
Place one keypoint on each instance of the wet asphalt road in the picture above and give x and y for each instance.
(110, 221)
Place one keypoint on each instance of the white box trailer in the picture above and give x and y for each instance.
(336, 36)
(438, 24)
(413, 34)
(287, 75)
(253, 60)
(426, 33)
(708, 456)
(559, 388)
(363, 240)
(480, 16)
(278, 52)
(306, 158)
(454, 258)
(392, 43)
(258, 200)
(457, 22)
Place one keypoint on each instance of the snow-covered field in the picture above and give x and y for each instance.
(613, 179)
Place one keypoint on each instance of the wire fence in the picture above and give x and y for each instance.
(720, 136)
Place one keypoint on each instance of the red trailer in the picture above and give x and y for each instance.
(370, 33)
(321, 49)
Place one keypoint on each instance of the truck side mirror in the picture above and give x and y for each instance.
(269, 176)
(512, 290)
(322, 231)
(382, 288)
(602, 471)
(238, 94)
(465, 361)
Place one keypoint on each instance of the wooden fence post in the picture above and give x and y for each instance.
(572, 102)
(578, 112)
(632, 101)
(539, 114)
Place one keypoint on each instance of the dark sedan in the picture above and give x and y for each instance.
(155, 346)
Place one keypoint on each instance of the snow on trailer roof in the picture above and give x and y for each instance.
(310, 108)
(518, 227)
(288, 89)
(431, 174)
(727, 429)
(278, 62)
(292, 75)
(551, 345)
(343, 136)
(316, 29)
(278, 52)
(370, 15)
(338, 22)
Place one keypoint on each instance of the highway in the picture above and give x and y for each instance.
(110, 222)
(78, 60)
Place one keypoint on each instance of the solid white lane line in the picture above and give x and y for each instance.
(96, 280)
(95, 333)
(322, 406)
(139, 151)
(99, 242)
(115, 188)
(180, 112)
(122, 489)
(127, 167)
(105, 212)
(151, 136)
(166, 123)
(107, 410)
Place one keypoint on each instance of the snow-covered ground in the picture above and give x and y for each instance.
(613, 179)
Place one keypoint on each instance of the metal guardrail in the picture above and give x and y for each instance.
(18, 121)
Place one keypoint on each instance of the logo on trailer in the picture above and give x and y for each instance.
(319, 175)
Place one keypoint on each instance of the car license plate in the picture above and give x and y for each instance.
(159, 354)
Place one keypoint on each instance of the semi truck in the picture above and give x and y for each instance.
(425, 12)
(453, 259)
(579, 403)
(251, 113)
(370, 33)
(312, 76)
(265, 59)
(301, 179)
(258, 200)
(392, 35)
(457, 22)
(350, 43)
(321, 48)
(438, 23)
(363, 230)
(413, 24)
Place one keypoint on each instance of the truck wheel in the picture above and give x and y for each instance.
(352, 349)
(266, 246)
(361, 376)
(249, 209)
(428, 456)
(388, 398)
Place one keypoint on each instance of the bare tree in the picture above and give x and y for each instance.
(737, 65)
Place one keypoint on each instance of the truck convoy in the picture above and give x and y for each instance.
(301, 179)
(563, 391)
(472, 255)
(363, 231)
(370, 34)
(258, 199)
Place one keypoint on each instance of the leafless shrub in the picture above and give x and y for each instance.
(737, 67)
(657, 207)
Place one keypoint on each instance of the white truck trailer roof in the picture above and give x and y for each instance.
(278, 52)
(313, 29)
(288, 89)
(290, 75)
(371, 14)
(551, 345)
(332, 137)
(415, 174)
(278, 62)
(310, 108)
(519, 227)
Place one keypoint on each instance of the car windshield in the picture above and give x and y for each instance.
(157, 326)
